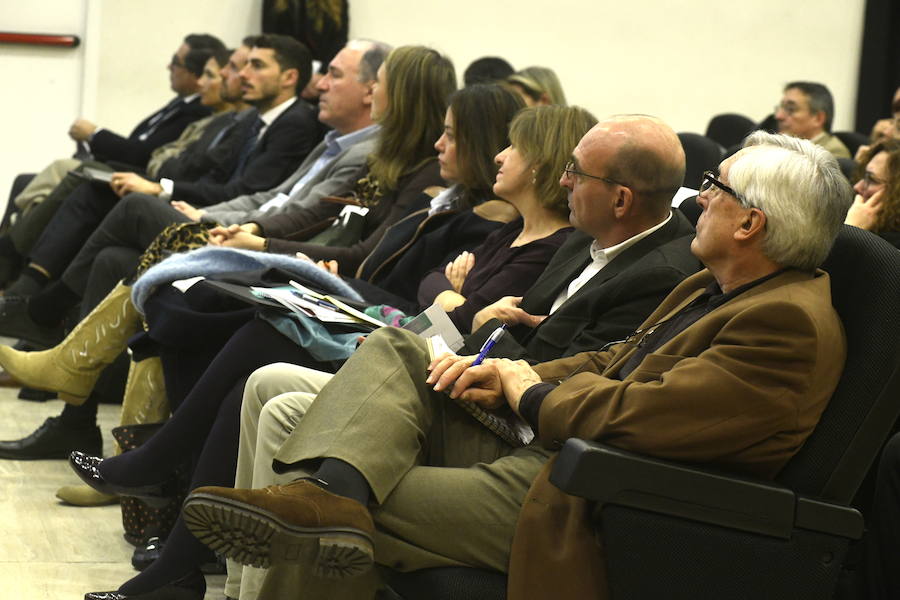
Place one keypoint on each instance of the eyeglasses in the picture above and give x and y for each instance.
(870, 180)
(788, 109)
(709, 180)
(176, 61)
(571, 171)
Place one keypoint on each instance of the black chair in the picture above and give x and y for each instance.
(729, 129)
(851, 139)
(848, 167)
(701, 154)
(673, 531)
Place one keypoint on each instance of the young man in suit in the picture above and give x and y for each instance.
(732, 370)
(132, 224)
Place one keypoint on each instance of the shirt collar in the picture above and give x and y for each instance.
(605, 255)
(273, 113)
(335, 142)
(189, 99)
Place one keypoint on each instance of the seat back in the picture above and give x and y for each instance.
(865, 288)
(701, 154)
(851, 139)
(729, 129)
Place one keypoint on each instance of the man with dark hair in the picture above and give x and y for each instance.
(162, 126)
(807, 111)
(330, 169)
(488, 69)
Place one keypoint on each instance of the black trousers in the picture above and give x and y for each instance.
(132, 223)
(71, 225)
(882, 540)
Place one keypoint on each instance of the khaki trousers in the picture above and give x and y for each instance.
(447, 492)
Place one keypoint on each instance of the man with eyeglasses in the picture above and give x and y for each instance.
(162, 126)
(807, 111)
(732, 371)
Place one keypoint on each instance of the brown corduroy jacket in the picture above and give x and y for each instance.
(739, 390)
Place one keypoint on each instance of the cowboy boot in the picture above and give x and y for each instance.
(72, 367)
(145, 399)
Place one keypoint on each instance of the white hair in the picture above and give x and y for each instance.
(800, 188)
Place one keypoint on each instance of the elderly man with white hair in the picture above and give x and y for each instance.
(732, 370)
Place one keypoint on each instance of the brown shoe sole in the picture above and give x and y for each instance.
(255, 537)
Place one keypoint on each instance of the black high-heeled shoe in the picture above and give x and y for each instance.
(190, 587)
(86, 466)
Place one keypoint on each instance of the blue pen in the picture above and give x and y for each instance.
(489, 343)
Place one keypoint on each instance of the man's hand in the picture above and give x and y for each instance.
(864, 213)
(81, 130)
(126, 183)
(491, 384)
(235, 237)
(187, 210)
(506, 310)
(457, 270)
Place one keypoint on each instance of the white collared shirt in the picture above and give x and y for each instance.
(600, 258)
(273, 113)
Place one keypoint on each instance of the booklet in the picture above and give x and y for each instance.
(506, 424)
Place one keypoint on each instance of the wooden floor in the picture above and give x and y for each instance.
(49, 550)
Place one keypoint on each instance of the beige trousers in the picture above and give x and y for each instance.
(447, 492)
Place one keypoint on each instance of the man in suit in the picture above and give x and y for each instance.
(732, 370)
(159, 128)
(265, 145)
(806, 111)
(113, 249)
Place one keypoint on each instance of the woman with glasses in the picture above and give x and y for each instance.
(876, 207)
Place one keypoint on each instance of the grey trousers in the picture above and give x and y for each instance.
(447, 491)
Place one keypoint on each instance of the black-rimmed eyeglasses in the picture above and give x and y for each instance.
(709, 180)
(571, 171)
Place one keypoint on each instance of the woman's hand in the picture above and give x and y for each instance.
(864, 213)
(234, 236)
(457, 270)
(126, 183)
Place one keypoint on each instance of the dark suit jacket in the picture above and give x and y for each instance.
(149, 134)
(739, 390)
(606, 308)
(202, 156)
(283, 146)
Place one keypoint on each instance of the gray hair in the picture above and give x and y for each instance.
(820, 99)
(800, 188)
(374, 53)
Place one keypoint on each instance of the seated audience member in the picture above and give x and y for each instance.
(680, 393)
(537, 85)
(884, 129)
(163, 126)
(158, 129)
(267, 145)
(331, 169)
(806, 111)
(487, 69)
(610, 305)
(877, 203)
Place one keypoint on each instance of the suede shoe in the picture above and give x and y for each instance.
(15, 322)
(83, 495)
(295, 523)
(155, 495)
(53, 440)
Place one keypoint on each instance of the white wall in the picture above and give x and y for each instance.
(682, 60)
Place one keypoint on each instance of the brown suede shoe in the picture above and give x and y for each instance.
(295, 523)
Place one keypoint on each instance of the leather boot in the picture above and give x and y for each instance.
(145, 399)
(72, 367)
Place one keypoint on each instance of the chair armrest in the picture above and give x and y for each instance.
(611, 476)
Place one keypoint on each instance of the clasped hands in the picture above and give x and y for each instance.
(493, 383)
